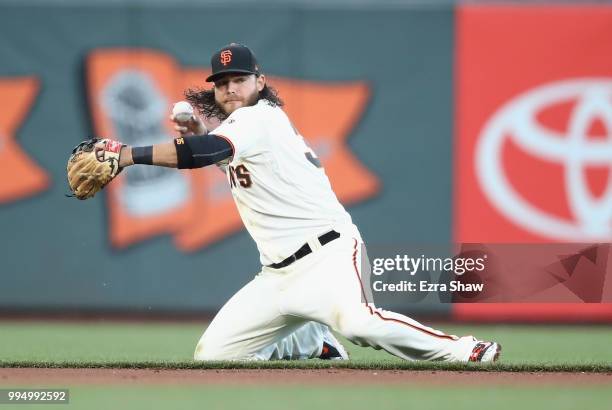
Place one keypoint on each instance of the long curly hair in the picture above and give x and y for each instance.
(204, 100)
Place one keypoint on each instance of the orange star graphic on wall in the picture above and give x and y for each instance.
(324, 114)
(23, 177)
(197, 208)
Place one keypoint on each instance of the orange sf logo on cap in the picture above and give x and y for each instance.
(226, 57)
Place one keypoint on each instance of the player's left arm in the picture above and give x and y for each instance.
(183, 153)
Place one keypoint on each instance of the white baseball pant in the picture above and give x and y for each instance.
(284, 313)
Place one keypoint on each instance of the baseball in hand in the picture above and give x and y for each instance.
(182, 111)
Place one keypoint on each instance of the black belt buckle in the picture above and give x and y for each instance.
(305, 250)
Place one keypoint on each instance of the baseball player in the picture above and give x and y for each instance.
(310, 251)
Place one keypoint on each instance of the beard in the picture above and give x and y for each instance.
(249, 102)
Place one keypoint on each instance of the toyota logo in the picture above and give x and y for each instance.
(572, 149)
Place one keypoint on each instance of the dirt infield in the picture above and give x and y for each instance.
(32, 376)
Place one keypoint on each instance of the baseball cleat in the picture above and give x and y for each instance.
(485, 352)
(332, 349)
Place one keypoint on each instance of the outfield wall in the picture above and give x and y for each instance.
(394, 112)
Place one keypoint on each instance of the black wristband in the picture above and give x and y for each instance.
(143, 155)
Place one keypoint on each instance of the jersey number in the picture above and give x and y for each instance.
(241, 174)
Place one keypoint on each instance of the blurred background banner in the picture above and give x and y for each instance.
(446, 123)
(376, 109)
(533, 138)
(130, 90)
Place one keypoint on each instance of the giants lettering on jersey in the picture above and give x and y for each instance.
(241, 174)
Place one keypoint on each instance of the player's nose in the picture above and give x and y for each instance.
(232, 86)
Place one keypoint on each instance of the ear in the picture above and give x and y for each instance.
(261, 82)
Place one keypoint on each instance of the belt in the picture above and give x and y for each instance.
(306, 250)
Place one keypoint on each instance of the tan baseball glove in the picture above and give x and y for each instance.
(92, 165)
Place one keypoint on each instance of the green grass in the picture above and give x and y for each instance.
(535, 348)
(155, 345)
(97, 341)
(337, 398)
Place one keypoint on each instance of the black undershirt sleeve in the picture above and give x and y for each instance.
(201, 150)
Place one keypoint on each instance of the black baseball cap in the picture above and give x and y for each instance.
(233, 58)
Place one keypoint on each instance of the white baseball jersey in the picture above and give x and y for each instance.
(285, 200)
(280, 189)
